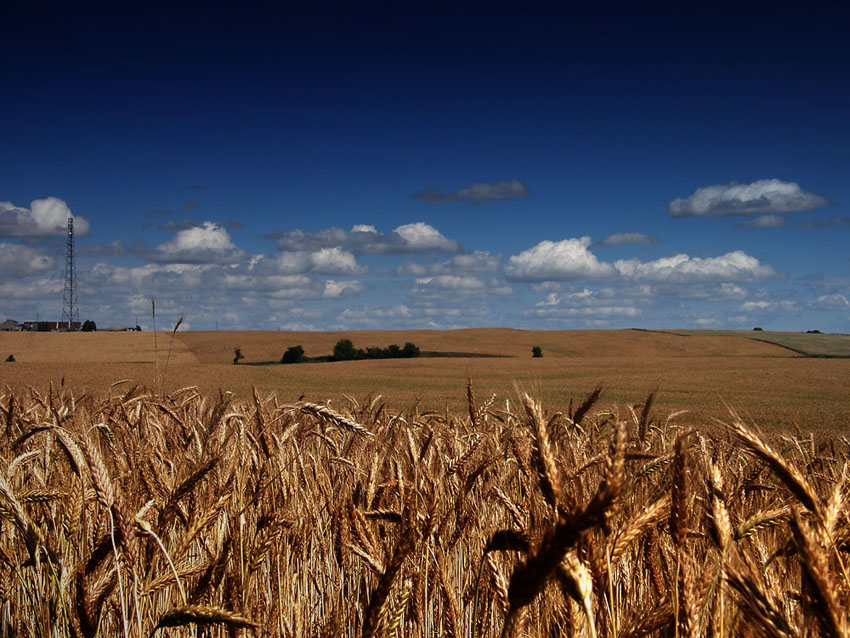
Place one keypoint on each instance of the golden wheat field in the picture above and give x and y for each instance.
(767, 384)
(134, 513)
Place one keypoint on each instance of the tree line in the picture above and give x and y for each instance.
(344, 350)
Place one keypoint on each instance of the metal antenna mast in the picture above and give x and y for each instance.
(70, 310)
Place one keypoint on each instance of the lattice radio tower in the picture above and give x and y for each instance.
(70, 310)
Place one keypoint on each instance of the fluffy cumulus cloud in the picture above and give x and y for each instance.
(334, 261)
(568, 259)
(571, 260)
(417, 237)
(336, 289)
(736, 266)
(476, 193)
(325, 261)
(44, 218)
(18, 260)
(621, 239)
(208, 243)
(421, 237)
(762, 197)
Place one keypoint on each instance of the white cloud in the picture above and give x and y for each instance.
(706, 322)
(445, 288)
(376, 316)
(562, 260)
(477, 262)
(761, 197)
(45, 217)
(336, 289)
(208, 243)
(416, 237)
(326, 261)
(451, 282)
(764, 221)
(736, 266)
(334, 261)
(621, 239)
(419, 237)
(582, 297)
(590, 311)
(477, 193)
(17, 260)
(830, 302)
(604, 302)
(32, 290)
(769, 306)
(702, 291)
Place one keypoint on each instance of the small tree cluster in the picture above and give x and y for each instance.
(89, 326)
(344, 350)
(295, 354)
(536, 352)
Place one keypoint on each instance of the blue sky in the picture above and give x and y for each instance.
(654, 166)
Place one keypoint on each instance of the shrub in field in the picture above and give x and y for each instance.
(410, 351)
(89, 326)
(10, 358)
(536, 352)
(294, 354)
(509, 520)
(237, 356)
(344, 350)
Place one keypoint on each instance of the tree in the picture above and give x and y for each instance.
(344, 350)
(10, 359)
(536, 352)
(410, 350)
(758, 329)
(138, 328)
(295, 354)
(89, 326)
(237, 356)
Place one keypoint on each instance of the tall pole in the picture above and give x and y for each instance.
(70, 309)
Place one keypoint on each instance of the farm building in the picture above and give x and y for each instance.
(10, 326)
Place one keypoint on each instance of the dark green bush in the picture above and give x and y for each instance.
(295, 354)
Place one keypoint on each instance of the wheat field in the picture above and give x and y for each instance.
(773, 386)
(136, 513)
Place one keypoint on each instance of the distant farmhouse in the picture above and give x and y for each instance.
(40, 326)
(10, 325)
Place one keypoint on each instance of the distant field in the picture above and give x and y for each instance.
(765, 382)
(811, 345)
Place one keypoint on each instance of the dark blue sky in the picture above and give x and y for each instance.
(463, 154)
